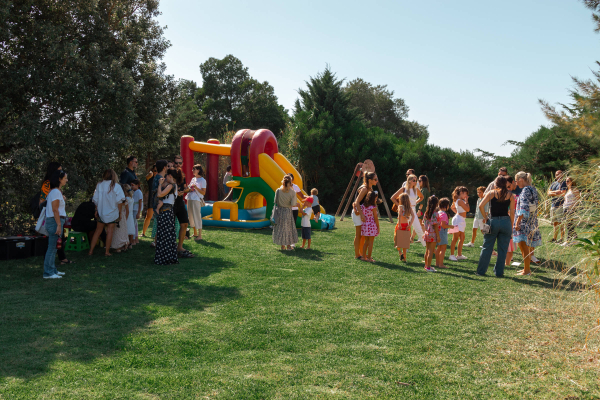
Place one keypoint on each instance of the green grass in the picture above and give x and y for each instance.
(244, 320)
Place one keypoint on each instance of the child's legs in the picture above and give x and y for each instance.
(303, 242)
(365, 241)
(461, 241)
(455, 237)
(441, 253)
(309, 243)
(474, 235)
(431, 251)
(509, 256)
(358, 241)
(371, 240)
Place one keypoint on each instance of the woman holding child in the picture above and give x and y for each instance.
(284, 232)
(500, 217)
(166, 242)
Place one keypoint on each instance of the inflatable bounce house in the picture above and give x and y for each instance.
(257, 168)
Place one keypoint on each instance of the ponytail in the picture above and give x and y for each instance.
(367, 177)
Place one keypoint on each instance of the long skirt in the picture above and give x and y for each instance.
(120, 236)
(166, 247)
(284, 233)
(194, 213)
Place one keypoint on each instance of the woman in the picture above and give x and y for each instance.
(526, 233)
(500, 219)
(369, 180)
(50, 170)
(55, 220)
(569, 206)
(108, 198)
(166, 241)
(181, 213)
(149, 210)
(423, 185)
(511, 185)
(284, 232)
(415, 196)
(196, 200)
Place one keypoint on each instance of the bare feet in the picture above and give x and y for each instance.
(441, 266)
(107, 254)
(523, 273)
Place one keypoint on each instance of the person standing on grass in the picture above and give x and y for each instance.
(510, 186)
(181, 213)
(161, 172)
(478, 220)
(557, 191)
(526, 233)
(423, 185)
(440, 251)
(55, 220)
(370, 226)
(120, 239)
(410, 172)
(196, 200)
(415, 196)
(460, 206)
(570, 207)
(307, 212)
(166, 240)
(492, 186)
(284, 231)
(128, 175)
(149, 210)
(138, 206)
(406, 216)
(432, 233)
(297, 191)
(500, 217)
(369, 180)
(109, 198)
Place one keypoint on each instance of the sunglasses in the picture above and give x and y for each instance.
(179, 162)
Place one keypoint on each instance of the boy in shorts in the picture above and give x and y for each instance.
(307, 213)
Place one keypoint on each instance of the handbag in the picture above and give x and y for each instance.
(40, 226)
(273, 219)
(486, 228)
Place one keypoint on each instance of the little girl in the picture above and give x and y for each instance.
(370, 227)
(440, 252)
(131, 227)
(432, 234)
(406, 216)
(461, 207)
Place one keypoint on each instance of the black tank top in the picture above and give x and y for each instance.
(499, 208)
(364, 197)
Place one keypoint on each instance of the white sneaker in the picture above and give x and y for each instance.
(53, 277)
(60, 273)
(461, 258)
(469, 245)
(481, 247)
(453, 258)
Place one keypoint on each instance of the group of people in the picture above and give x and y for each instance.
(506, 213)
(112, 214)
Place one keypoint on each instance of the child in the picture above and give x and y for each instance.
(120, 238)
(478, 221)
(316, 206)
(226, 178)
(138, 206)
(460, 206)
(131, 227)
(440, 252)
(161, 186)
(406, 216)
(307, 213)
(432, 234)
(370, 227)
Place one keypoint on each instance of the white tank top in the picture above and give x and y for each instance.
(412, 195)
(459, 209)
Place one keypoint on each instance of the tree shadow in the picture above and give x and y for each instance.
(91, 311)
(206, 243)
(306, 254)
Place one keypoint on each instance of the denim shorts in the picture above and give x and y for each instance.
(443, 237)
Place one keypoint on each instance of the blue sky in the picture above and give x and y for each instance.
(472, 71)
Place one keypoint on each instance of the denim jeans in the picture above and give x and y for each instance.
(49, 261)
(501, 229)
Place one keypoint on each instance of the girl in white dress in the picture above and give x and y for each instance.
(131, 227)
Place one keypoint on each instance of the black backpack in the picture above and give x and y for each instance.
(34, 205)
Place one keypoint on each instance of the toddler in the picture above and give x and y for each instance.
(307, 213)
(461, 207)
(370, 227)
(131, 227)
(138, 206)
(406, 215)
(432, 234)
(316, 206)
(440, 251)
(478, 221)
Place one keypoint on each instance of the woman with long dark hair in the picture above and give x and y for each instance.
(196, 200)
(55, 220)
(166, 240)
(369, 180)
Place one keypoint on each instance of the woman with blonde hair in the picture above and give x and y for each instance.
(525, 231)
(108, 198)
(415, 196)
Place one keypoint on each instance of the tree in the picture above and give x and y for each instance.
(379, 108)
(82, 83)
(231, 99)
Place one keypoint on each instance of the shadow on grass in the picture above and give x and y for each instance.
(306, 254)
(207, 243)
(91, 311)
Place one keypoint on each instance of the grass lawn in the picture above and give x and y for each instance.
(244, 320)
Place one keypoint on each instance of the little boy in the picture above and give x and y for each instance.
(307, 212)
(138, 205)
(316, 206)
(478, 221)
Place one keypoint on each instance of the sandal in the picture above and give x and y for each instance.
(359, 258)
(184, 254)
(66, 261)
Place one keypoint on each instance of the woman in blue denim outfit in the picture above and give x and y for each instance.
(500, 218)
(526, 233)
(55, 220)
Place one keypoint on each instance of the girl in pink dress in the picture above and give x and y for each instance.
(369, 228)
(432, 233)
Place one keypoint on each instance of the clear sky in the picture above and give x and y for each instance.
(472, 71)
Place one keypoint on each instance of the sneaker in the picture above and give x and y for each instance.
(481, 247)
(461, 257)
(453, 258)
(429, 269)
(60, 273)
(53, 277)
(534, 259)
(469, 245)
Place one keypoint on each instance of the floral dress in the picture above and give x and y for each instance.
(429, 235)
(527, 207)
(369, 227)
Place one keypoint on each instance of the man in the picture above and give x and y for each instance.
(178, 161)
(501, 172)
(128, 174)
(557, 192)
(410, 172)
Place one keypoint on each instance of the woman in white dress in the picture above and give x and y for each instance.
(414, 194)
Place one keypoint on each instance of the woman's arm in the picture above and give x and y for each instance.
(149, 175)
(55, 205)
(163, 191)
(466, 206)
(486, 199)
(356, 205)
(453, 207)
(512, 210)
(420, 196)
(396, 196)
